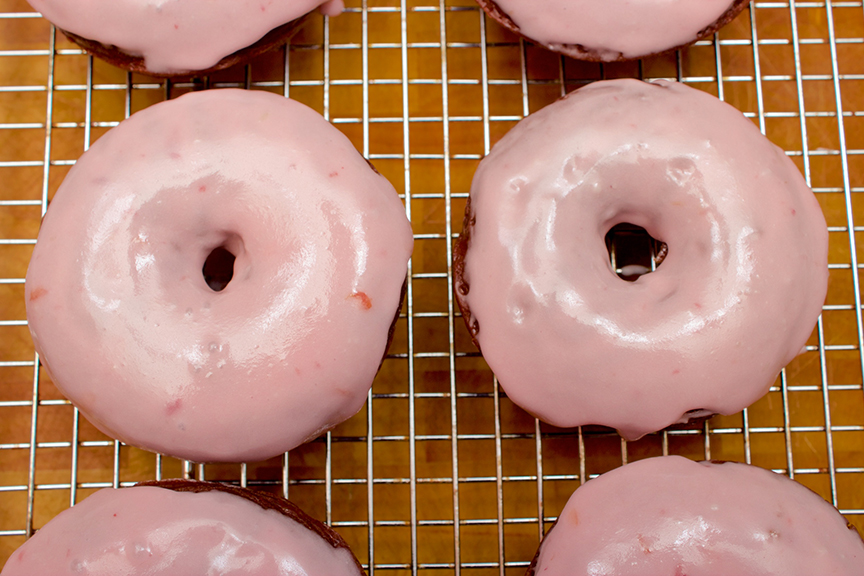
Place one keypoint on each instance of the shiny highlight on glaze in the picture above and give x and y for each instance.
(672, 516)
(126, 324)
(734, 301)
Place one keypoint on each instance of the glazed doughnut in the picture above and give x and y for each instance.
(670, 515)
(182, 36)
(733, 302)
(131, 332)
(184, 527)
(613, 30)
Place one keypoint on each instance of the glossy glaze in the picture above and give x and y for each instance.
(670, 516)
(177, 35)
(733, 302)
(614, 28)
(130, 331)
(146, 531)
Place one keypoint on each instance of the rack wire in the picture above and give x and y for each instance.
(440, 472)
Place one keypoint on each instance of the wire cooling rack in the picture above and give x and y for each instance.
(440, 472)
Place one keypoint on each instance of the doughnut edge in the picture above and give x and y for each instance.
(460, 286)
(392, 331)
(266, 501)
(579, 52)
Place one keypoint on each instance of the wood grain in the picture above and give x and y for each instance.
(414, 412)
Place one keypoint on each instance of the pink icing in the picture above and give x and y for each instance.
(733, 302)
(153, 531)
(177, 35)
(672, 516)
(628, 28)
(123, 319)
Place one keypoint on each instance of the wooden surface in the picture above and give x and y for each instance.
(497, 455)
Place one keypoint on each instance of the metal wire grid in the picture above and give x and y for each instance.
(455, 477)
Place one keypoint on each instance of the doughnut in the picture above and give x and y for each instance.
(735, 299)
(180, 37)
(184, 527)
(153, 354)
(670, 515)
(613, 30)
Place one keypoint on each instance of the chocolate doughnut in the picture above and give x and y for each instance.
(733, 301)
(137, 326)
(181, 37)
(613, 30)
(670, 515)
(176, 527)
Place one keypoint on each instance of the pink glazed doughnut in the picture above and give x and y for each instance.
(181, 36)
(133, 335)
(183, 527)
(734, 301)
(613, 30)
(672, 516)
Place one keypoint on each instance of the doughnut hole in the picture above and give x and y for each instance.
(218, 269)
(633, 252)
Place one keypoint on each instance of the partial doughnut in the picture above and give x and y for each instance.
(734, 300)
(178, 527)
(180, 37)
(613, 30)
(315, 244)
(670, 515)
